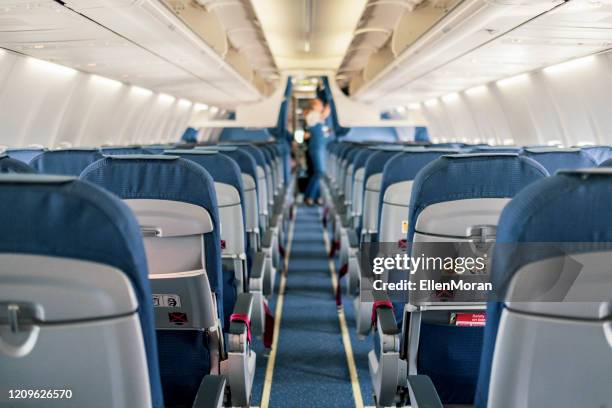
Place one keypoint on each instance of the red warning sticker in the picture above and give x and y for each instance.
(469, 319)
(177, 318)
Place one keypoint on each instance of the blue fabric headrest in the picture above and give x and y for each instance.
(10, 165)
(599, 153)
(64, 217)
(24, 155)
(403, 167)
(165, 178)
(556, 159)
(221, 168)
(465, 176)
(362, 158)
(124, 150)
(381, 134)
(244, 134)
(70, 162)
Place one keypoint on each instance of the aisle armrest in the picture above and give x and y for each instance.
(240, 323)
(211, 392)
(423, 393)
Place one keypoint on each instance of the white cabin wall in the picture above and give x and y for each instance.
(567, 104)
(47, 104)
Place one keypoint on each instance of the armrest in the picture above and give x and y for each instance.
(211, 392)
(240, 323)
(257, 267)
(386, 322)
(274, 220)
(385, 317)
(352, 237)
(266, 239)
(423, 393)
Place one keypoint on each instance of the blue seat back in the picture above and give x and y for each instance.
(450, 354)
(62, 217)
(570, 208)
(555, 159)
(10, 165)
(111, 151)
(239, 134)
(371, 134)
(25, 155)
(598, 153)
(69, 162)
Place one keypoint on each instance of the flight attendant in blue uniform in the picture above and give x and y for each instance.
(317, 140)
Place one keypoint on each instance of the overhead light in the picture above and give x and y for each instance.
(508, 142)
(453, 97)
(214, 110)
(585, 143)
(91, 64)
(570, 65)
(106, 82)
(554, 143)
(492, 142)
(431, 102)
(476, 90)
(39, 46)
(141, 91)
(513, 80)
(166, 98)
(51, 68)
(414, 106)
(200, 107)
(184, 103)
(401, 109)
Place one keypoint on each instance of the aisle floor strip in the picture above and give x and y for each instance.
(278, 312)
(346, 340)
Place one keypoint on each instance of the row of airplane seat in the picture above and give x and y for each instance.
(413, 197)
(165, 262)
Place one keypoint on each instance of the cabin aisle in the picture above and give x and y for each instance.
(311, 367)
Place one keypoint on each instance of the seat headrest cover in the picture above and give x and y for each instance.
(606, 163)
(461, 177)
(377, 161)
(65, 217)
(164, 178)
(142, 157)
(124, 150)
(35, 179)
(406, 165)
(25, 155)
(220, 167)
(67, 162)
(10, 165)
(556, 159)
(599, 153)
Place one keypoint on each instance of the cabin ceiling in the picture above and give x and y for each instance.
(308, 35)
(142, 43)
(515, 37)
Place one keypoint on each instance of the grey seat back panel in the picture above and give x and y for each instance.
(551, 362)
(576, 286)
(230, 215)
(112, 350)
(72, 314)
(251, 204)
(370, 202)
(358, 191)
(394, 213)
(64, 289)
(456, 218)
(182, 295)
